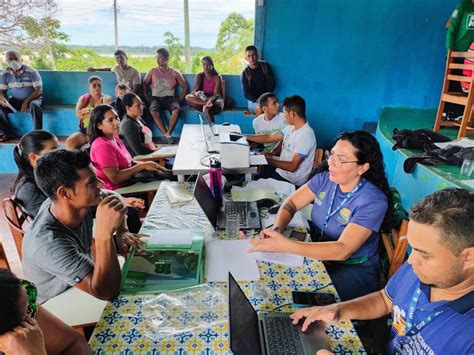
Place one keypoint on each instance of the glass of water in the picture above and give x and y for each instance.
(232, 224)
(467, 168)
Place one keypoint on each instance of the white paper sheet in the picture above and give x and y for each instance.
(258, 160)
(469, 183)
(463, 142)
(14, 110)
(169, 237)
(282, 187)
(279, 258)
(223, 256)
(298, 220)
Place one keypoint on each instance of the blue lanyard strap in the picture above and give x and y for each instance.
(338, 208)
(413, 329)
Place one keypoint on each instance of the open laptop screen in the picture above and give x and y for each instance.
(206, 200)
(243, 319)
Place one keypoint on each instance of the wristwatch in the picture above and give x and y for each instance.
(275, 229)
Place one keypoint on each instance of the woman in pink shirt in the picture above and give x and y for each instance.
(206, 95)
(109, 155)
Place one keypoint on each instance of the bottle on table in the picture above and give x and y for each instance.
(215, 172)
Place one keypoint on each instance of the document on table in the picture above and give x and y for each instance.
(282, 187)
(223, 256)
(258, 159)
(298, 220)
(279, 258)
(163, 152)
(169, 237)
(463, 142)
(249, 194)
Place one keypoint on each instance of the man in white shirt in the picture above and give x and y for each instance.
(297, 148)
(271, 120)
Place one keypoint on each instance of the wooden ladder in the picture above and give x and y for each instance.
(459, 98)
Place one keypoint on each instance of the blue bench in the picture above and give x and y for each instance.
(62, 89)
(61, 120)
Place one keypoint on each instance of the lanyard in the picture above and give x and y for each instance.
(338, 208)
(413, 329)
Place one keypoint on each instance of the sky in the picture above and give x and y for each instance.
(143, 22)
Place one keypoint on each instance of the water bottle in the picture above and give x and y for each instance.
(215, 173)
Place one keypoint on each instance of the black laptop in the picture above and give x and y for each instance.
(268, 332)
(248, 211)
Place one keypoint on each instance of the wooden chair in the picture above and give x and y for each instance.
(4, 264)
(318, 157)
(396, 247)
(17, 220)
(459, 98)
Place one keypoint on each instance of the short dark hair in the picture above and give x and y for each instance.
(297, 104)
(164, 52)
(263, 99)
(120, 52)
(59, 168)
(452, 212)
(10, 311)
(251, 48)
(93, 78)
(96, 118)
(128, 99)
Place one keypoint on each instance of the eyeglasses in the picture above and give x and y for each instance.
(336, 160)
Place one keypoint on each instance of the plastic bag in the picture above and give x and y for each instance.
(177, 195)
(184, 311)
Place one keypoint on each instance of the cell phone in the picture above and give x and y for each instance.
(300, 236)
(301, 299)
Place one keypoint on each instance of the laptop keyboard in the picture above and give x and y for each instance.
(282, 336)
(240, 208)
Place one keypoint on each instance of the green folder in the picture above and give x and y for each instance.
(164, 267)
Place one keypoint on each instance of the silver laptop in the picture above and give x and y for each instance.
(268, 332)
(212, 140)
(248, 211)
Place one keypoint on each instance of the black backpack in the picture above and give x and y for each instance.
(419, 139)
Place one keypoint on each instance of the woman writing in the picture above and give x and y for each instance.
(206, 95)
(351, 198)
(109, 155)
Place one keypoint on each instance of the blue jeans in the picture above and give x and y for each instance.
(252, 106)
(352, 281)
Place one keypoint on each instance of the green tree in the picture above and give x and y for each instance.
(11, 14)
(235, 33)
(45, 40)
(176, 50)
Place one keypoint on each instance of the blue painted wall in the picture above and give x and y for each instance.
(65, 87)
(349, 59)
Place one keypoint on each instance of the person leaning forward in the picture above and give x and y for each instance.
(57, 247)
(431, 297)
